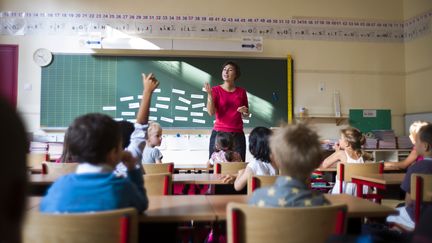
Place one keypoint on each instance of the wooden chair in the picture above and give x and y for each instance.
(59, 169)
(35, 160)
(158, 168)
(345, 171)
(246, 223)
(108, 226)
(228, 167)
(421, 191)
(255, 182)
(158, 184)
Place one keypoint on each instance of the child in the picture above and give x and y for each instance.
(413, 156)
(224, 150)
(151, 154)
(423, 146)
(261, 164)
(296, 152)
(348, 150)
(95, 141)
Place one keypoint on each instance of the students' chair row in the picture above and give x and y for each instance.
(35, 160)
(116, 226)
(158, 184)
(246, 223)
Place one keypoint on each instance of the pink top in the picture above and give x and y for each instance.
(228, 119)
(419, 157)
(219, 157)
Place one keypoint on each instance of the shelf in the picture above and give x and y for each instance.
(338, 120)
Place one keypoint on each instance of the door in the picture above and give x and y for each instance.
(9, 73)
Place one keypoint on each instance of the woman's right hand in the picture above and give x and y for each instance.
(207, 88)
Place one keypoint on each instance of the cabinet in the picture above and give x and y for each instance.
(389, 155)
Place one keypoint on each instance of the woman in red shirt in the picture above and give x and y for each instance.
(230, 104)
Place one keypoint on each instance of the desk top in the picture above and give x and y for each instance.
(213, 207)
(385, 179)
(178, 209)
(42, 179)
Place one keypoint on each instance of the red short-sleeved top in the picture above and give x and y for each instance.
(228, 119)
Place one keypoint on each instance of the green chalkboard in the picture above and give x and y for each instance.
(369, 120)
(77, 84)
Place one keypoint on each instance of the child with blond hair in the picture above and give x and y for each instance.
(151, 154)
(296, 152)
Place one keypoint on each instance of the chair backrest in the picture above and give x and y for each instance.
(255, 182)
(59, 169)
(246, 223)
(108, 226)
(421, 191)
(158, 168)
(158, 184)
(35, 160)
(345, 171)
(228, 167)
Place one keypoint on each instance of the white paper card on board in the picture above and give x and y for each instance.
(178, 91)
(369, 113)
(153, 109)
(203, 89)
(118, 119)
(133, 105)
(152, 118)
(161, 98)
(198, 121)
(139, 97)
(128, 113)
(157, 91)
(180, 118)
(196, 114)
(181, 108)
(126, 98)
(245, 121)
(109, 108)
(205, 109)
(198, 105)
(162, 106)
(166, 119)
(184, 100)
(197, 96)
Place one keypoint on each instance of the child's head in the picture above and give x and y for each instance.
(423, 143)
(351, 138)
(259, 143)
(414, 129)
(95, 139)
(126, 129)
(224, 141)
(154, 134)
(296, 150)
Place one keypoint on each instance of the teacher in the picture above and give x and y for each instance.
(230, 104)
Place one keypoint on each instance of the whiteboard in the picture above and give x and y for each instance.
(410, 118)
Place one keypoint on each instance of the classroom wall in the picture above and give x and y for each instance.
(367, 75)
(418, 63)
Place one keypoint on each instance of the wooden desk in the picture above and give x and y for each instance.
(178, 209)
(42, 179)
(191, 167)
(380, 181)
(357, 207)
(198, 179)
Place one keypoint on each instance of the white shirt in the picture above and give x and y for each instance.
(259, 167)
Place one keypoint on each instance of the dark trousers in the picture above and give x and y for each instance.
(239, 143)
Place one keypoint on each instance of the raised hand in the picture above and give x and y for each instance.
(150, 82)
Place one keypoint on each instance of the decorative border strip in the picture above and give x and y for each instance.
(84, 24)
